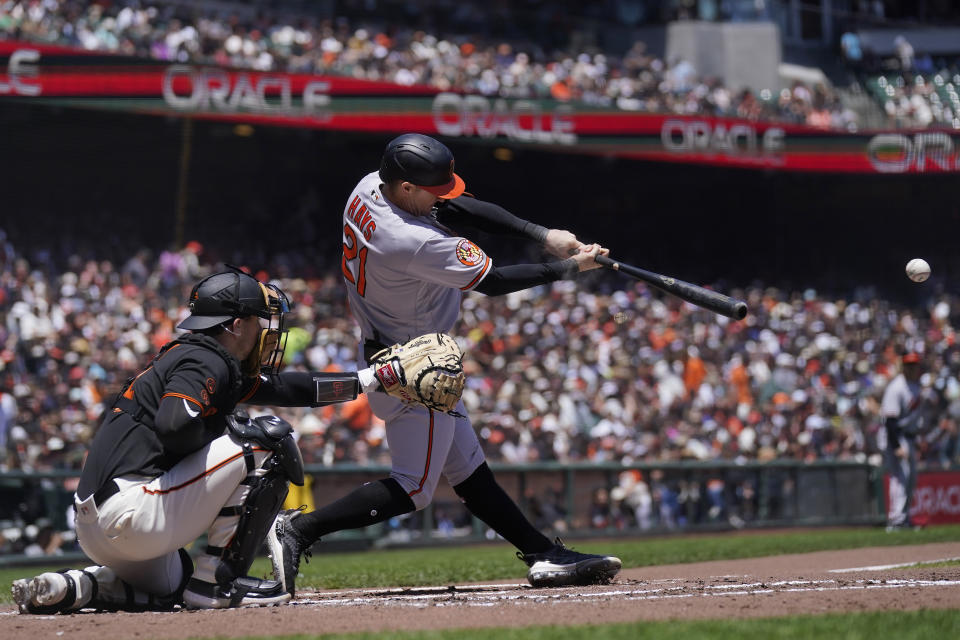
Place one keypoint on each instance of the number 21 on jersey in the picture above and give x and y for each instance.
(355, 273)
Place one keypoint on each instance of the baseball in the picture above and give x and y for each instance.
(918, 270)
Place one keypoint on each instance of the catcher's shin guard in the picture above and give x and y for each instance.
(233, 541)
(239, 530)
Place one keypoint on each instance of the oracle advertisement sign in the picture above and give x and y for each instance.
(64, 76)
(936, 498)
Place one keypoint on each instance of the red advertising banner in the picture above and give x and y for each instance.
(936, 498)
(56, 75)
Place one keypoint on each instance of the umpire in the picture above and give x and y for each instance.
(172, 460)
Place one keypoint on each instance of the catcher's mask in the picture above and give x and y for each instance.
(218, 299)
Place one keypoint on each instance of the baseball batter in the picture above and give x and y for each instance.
(406, 271)
(172, 460)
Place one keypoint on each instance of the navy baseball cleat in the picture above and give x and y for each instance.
(563, 567)
(286, 546)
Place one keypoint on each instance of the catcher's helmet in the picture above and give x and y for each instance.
(423, 161)
(231, 294)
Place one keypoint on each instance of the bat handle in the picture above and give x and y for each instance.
(607, 262)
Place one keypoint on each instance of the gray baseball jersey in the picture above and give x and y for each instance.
(899, 398)
(405, 274)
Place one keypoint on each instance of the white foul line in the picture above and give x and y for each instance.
(882, 567)
(490, 596)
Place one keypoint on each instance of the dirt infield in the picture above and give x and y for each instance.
(823, 582)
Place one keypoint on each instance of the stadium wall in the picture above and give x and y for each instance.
(106, 184)
(741, 54)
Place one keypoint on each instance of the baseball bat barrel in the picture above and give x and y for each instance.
(716, 302)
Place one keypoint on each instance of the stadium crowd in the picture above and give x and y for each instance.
(569, 372)
(545, 59)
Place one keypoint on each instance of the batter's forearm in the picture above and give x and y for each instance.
(516, 277)
(488, 217)
(306, 389)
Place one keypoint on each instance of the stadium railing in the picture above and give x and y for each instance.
(575, 500)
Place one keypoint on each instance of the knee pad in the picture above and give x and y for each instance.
(272, 433)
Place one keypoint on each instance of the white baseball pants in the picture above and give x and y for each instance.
(138, 531)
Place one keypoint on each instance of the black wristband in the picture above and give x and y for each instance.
(536, 232)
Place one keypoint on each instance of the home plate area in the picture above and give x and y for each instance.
(877, 579)
(486, 595)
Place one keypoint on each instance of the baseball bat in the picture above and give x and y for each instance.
(716, 302)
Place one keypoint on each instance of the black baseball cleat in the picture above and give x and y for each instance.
(286, 546)
(241, 592)
(563, 567)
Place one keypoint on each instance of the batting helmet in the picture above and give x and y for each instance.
(423, 161)
(231, 294)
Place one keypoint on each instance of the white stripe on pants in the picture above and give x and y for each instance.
(425, 445)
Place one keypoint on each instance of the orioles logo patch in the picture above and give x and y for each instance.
(211, 385)
(469, 253)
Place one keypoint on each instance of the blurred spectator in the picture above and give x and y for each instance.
(800, 377)
(605, 372)
(904, 53)
(600, 514)
(547, 511)
(633, 494)
(466, 53)
(850, 46)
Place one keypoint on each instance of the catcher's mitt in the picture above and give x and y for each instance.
(427, 370)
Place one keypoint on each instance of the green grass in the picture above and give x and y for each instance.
(902, 625)
(934, 565)
(417, 567)
(448, 565)
(445, 565)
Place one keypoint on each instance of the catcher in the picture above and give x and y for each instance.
(405, 271)
(173, 459)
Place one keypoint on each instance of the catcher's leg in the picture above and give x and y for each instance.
(151, 519)
(99, 587)
(240, 527)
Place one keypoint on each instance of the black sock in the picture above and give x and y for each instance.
(372, 503)
(489, 502)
